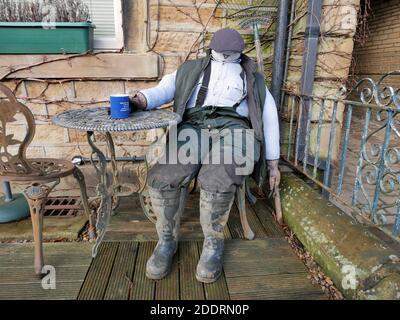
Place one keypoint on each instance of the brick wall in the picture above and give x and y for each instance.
(381, 52)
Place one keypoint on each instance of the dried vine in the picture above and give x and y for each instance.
(39, 99)
(360, 38)
(201, 35)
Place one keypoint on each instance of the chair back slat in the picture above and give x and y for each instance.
(14, 163)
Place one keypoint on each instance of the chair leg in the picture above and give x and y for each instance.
(241, 204)
(36, 195)
(82, 187)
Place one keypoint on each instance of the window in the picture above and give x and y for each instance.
(107, 16)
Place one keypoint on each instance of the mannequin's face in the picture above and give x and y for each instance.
(226, 55)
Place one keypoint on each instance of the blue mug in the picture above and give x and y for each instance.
(119, 106)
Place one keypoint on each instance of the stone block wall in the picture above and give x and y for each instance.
(338, 25)
(177, 33)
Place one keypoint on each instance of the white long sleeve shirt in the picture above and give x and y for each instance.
(225, 89)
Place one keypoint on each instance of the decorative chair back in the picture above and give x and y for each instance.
(14, 164)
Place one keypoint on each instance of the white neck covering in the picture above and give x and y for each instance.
(219, 56)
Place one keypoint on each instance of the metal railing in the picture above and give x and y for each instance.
(349, 144)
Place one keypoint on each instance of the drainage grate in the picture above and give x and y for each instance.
(62, 207)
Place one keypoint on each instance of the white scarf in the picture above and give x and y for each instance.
(219, 56)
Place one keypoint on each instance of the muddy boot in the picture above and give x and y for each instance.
(214, 213)
(166, 207)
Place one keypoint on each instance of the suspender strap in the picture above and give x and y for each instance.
(201, 96)
(242, 75)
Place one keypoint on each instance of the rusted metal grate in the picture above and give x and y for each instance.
(62, 207)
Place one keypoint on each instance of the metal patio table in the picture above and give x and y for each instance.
(109, 190)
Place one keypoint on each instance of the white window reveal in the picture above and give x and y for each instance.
(107, 16)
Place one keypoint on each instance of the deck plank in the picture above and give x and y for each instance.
(9, 276)
(234, 225)
(18, 280)
(264, 214)
(217, 290)
(120, 284)
(143, 288)
(34, 291)
(266, 269)
(190, 288)
(292, 286)
(96, 281)
(168, 287)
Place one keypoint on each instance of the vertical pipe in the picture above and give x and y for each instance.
(279, 50)
(288, 47)
(311, 40)
(8, 197)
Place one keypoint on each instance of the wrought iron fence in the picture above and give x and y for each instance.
(349, 144)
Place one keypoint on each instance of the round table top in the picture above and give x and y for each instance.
(98, 119)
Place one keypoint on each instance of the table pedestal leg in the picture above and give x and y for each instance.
(104, 190)
(116, 183)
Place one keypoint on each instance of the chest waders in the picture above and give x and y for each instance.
(214, 206)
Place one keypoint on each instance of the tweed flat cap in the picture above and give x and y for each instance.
(227, 40)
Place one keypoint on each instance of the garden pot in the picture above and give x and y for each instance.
(38, 37)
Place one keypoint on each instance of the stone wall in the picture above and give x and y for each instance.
(178, 35)
(338, 25)
(179, 29)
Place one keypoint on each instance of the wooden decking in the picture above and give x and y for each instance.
(265, 268)
(18, 281)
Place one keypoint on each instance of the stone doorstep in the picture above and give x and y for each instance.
(67, 228)
(362, 262)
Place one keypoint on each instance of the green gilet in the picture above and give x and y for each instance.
(187, 77)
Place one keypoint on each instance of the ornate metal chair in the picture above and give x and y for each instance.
(38, 177)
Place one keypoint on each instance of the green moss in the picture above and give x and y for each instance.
(346, 251)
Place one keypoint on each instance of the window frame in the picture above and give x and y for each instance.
(116, 43)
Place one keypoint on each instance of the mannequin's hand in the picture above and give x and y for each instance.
(274, 175)
(138, 102)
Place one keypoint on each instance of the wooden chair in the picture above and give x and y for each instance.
(37, 177)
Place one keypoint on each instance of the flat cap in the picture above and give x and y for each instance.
(227, 40)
